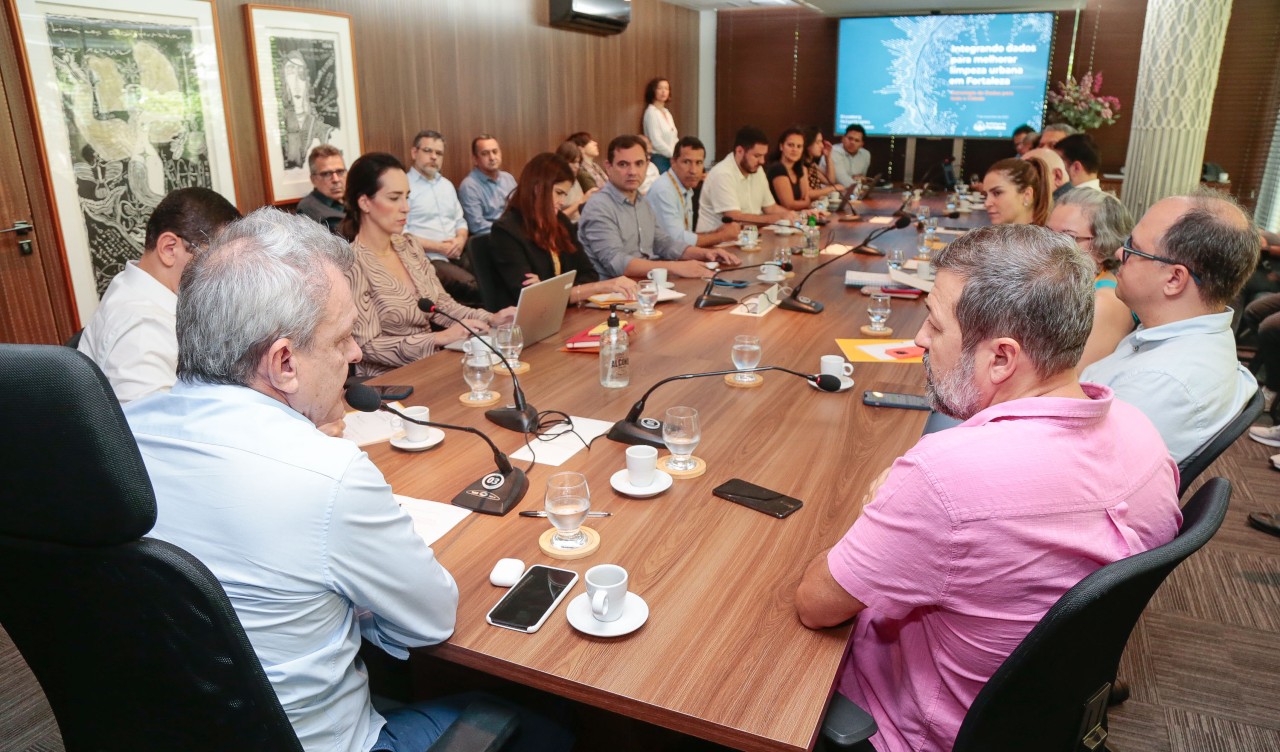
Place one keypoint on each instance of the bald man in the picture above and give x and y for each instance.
(1058, 174)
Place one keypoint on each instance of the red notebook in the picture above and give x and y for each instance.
(589, 339)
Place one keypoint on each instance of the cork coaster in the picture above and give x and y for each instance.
(465, 398)
(699, 467)
(521, 368)
(646, 316)
(756, 380)
(592, 545)
(868, 331)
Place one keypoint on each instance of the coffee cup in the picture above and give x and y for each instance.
(642, 465)
(834, 365)
(772, 272)
(607, 589)
(413, 431)
(925, 270)
(659, 276)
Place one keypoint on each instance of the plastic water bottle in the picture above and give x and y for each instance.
(615, 368)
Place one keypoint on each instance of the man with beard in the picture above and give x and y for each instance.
(436, 220)
(970, 537)
(736, 187)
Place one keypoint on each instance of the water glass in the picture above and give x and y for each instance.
(878, 310)
(895, 257)
(681, 433)
(953, 202)
(647, 297)
(509, 339)
(477, 370)
(922, 213)
(746, 354)
(567, 501)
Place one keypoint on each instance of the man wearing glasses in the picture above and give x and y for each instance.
(131, 336)
(1187, 258)
(329, 178)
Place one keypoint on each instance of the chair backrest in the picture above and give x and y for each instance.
(1191, 467)
(478, 247)
(1052, 690)
(133, 640)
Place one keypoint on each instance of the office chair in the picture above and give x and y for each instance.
(132, 639)
(486, 274)
(939, 422)
(1191, 467)
(74, 340)
(1051, 693)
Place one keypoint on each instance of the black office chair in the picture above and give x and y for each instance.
(1051, 693)
(132, 639)
(74, 340)
(486, 273)
(1191, 467)
(939, 422)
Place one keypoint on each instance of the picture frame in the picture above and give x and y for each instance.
(129, 101)
(304, 71)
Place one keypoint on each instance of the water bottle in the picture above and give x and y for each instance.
(811, 237)
(615, 368)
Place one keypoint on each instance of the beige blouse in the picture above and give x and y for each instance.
(390, 329)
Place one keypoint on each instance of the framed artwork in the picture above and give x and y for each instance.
(129, 105)
(305, 72)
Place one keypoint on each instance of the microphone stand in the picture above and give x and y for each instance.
(520, 417)
(797, 302)
(636, 430)
(708, 300)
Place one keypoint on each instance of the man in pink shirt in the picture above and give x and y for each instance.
(970, 537)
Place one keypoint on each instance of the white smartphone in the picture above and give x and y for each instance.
(529, 602)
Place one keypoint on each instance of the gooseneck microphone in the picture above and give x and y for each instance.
(797, 302)
(707, 300)
(636, 430)
(495, 493)
(520, 417)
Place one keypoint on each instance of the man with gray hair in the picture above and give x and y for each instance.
(967, 540)
(1187, 258)
(300, 528)
(1053, 133)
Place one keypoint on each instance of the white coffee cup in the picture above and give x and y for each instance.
(925, 270)
(834, 365)
(607, 589)
(659, 276)
(772, 272)
(412, 431)
(642, 465)
(471, 346)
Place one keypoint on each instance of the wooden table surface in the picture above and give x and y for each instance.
(722, 656)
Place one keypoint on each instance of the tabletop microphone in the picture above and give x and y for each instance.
(797, 302)
(520, 417)
(636, 430)
(707, 300)
(495, 493)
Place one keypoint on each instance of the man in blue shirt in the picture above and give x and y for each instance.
(485, 190)
(671, 197)
(436, 221)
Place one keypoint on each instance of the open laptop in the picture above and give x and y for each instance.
(541, 309)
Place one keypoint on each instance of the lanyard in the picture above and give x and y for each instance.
(684, 210)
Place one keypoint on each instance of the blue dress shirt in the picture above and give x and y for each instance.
(434, 210)
(672, 205)
(484, 199)
(614, 229)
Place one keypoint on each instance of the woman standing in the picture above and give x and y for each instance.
(659, 125)
(1018, 192)
(787, 174)
(391, 274)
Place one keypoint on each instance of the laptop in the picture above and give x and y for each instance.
(540, 311)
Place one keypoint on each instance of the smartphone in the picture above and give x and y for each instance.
(395, 392)
(894, 399)
(531, 600)
(758, 498)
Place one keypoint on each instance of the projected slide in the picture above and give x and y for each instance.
(977, 76)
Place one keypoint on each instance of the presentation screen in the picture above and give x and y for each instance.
(976, 76)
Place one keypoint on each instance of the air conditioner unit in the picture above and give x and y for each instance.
(591, 16)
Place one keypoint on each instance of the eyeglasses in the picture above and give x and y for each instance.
(331, 174)
(1127, 250)
(195, 248)
(1077, 239)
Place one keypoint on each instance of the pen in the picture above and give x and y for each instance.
(589, 304)
(539, 513)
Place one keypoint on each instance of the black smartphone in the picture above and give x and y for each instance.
(758, 498)
(393, 392)
(531, 600)
(894, 399)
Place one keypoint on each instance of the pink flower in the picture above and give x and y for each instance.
(1097, 82)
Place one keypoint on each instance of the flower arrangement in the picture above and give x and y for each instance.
(1079, 103)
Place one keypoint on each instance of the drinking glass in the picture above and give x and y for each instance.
(509, 339)
(477, 370)
(953, 202)
(567, 502)
(895, 257)
(681, 433)
(746, 354)
(647, 297)
(922, 213)
(878, 310)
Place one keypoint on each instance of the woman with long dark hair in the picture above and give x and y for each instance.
(533, 240)
(1018, 192)
(788, 176)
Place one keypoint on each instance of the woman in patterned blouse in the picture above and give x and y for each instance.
(391, 274)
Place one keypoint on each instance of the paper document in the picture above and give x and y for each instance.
(835, 249)
(866, 279)
(556, 451)
(874, 350)
(605, 298)
(431, 519)
(879, 220)
(370, 428)
(911, 280)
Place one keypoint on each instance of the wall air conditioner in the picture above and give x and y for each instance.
(591, 16)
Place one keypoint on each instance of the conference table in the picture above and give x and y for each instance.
(722, 655)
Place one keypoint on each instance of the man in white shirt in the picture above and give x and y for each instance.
(849, 160)
(436, 220)
(131, 336)
(671, 197)
(736, 188)
(1187, 258)
(1083, 160)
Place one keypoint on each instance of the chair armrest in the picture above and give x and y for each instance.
(482, 727)
(846, 724)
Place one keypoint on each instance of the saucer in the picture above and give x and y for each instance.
(434, 437)
(771, 280)
(661, 482)
(633, 617)
(846, 383)
(785, 230)
(668, 285)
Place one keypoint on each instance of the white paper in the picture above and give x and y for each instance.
(854, 278)
(664, 294)
(556, 451)
(431, 519)
(911, 280)
(880, 350)
(370, 428)
(880, 220)
(835, 249)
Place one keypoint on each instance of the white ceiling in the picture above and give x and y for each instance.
(885, 7)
